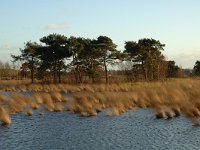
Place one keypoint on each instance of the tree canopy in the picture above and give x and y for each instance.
(53, 53)
(196, 68)
(57, 54)
(147, 57)
(29, 56)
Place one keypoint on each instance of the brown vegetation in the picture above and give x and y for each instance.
(168, 98)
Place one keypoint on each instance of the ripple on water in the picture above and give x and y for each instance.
(132, 130)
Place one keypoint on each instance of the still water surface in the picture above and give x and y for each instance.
(132, 130)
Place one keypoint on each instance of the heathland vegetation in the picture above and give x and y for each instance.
(88, 76)
(167, 99)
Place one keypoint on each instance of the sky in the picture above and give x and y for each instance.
(175, 23)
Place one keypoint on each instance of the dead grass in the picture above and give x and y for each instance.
(169, 98)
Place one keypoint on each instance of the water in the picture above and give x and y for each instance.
(132, 130)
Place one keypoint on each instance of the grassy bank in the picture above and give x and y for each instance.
(168, 98)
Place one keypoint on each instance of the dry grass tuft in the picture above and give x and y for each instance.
(58, 107)
(30, 112)
(169, 114)
(160, 114)
(168, 98)
(4, 117)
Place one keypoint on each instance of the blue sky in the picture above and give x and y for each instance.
(175, 23)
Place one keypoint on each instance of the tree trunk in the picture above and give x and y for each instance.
(32, 78)
(55, 72)
(54, 75)
(92, 68)
(59, 76)
(144, 71)
(79, 75)
(32, 70)
(59, 71)
(77, 72)
(75, 75)
(158, 72)
(106, 71)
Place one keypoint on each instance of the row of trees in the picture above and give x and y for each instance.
(7, 71)
(196, 69)
(56, 55)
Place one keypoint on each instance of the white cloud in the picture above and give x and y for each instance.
(6, 50)
(190, 54)
(8, 47)
(187, 59)
(56, 26)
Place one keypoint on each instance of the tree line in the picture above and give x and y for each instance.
(7, 71)
(56, 55)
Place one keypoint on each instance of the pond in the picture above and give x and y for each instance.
(133, 130)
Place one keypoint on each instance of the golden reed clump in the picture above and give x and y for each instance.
(16, 103)
(30, 112)
(160, 114)
(177, 111)
(58, 107)
(4, 117)
(169, 99)
(169, 114)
